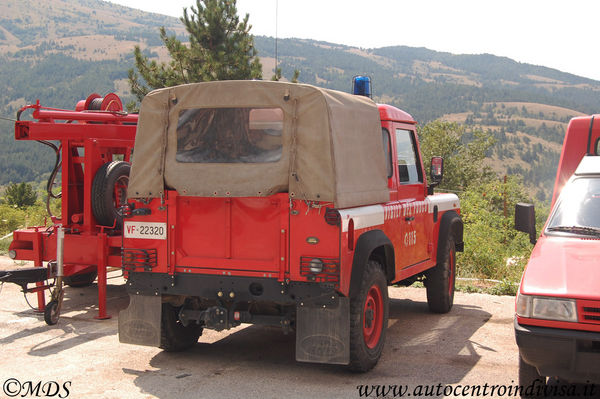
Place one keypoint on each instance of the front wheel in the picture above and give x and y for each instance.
(440, 280)
(368, 319)
(51, 313)
(174, 336)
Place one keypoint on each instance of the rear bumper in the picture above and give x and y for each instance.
(320, 316)
(231, 288)
(569, 354)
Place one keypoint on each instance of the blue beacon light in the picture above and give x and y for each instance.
(361, 86)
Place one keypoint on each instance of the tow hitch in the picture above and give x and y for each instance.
(220, 318)
(215, 317)
(22, 277)
(25, 276)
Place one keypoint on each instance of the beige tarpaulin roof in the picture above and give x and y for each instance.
(331, 141)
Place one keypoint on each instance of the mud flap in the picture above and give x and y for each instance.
(139, 324)
(323, 333)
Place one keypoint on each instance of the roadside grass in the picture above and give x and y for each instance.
(4, 244)
(13, 218)
(494, 287)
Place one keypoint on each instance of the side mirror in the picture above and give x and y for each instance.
(437, 170)
(525, 220)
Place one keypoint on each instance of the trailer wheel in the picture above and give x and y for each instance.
(109, 192)
(51, 314)
(174, 336)
(80, 280)
(440, 280)
(368, 319)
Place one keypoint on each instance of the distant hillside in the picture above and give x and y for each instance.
(63, 50)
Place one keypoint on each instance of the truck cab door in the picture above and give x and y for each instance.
(388, 153)
(411, 194)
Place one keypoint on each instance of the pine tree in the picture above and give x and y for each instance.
(277, 76)
(220, 48)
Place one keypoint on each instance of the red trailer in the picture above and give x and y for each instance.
(93, 146)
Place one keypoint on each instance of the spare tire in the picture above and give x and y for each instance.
(109, 193)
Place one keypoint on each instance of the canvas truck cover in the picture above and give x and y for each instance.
(258, 138)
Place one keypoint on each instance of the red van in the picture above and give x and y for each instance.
(557, 322)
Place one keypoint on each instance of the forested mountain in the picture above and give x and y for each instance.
(61, 51)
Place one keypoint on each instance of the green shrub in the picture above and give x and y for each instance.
(20, 195)
(493, 248)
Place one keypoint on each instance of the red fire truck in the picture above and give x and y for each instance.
(557, 322)
(281, 204)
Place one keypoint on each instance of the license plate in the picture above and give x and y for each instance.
(147, 230)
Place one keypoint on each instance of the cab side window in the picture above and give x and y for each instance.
(409, 165)
(387, 148)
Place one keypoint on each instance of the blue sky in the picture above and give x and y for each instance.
(557, 34)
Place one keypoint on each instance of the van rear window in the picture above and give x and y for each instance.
(230, 135)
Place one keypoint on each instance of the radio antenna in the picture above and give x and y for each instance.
(276, 32)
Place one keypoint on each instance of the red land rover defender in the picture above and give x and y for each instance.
(557, 323)
(280, 204)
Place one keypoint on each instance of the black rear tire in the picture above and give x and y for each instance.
(109, 192)
(174, 336)
(369, 312)
(440, 280)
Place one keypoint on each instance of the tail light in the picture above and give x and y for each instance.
(329, 269)
(133, 258)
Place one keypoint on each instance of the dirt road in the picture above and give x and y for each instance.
(471, 346)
